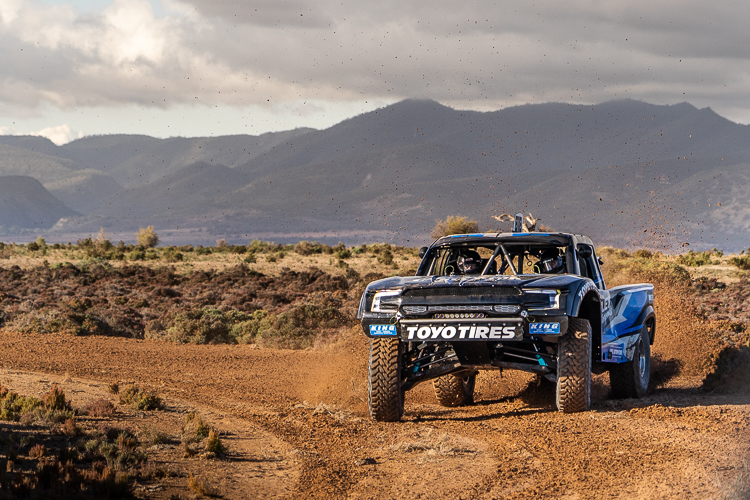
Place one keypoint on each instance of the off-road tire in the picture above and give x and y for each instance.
(573, 390)
(631, 379)
(455, 390)
(385, 398)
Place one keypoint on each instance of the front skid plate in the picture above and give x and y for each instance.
(461, 331)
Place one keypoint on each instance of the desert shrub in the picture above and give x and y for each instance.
(12, 406)
(222, 245)
(258, 246)
(298, 327)
(247, 330)
(199, 326)
(341, 252)
(630, 270)
(201, 250)
(195, 429)
(695, 259)
(454, 224)
(55, 399)
(100, 408)
(140, 399)
(201, 486)
(250, 258)
(147, 237)
(32, 246)
(386, 257)
(643, 254)
(154, 436)
(136, 255)
(740, 262)
(308, 248)
(213, 443)
(37, 451)
(171, 254)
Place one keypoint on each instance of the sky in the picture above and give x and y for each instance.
(217, 67)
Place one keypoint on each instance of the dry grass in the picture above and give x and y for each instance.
(201, 486)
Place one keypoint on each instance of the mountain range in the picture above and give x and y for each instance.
(626, 173)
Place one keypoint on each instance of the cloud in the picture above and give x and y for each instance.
(61, 134)
(479, 55)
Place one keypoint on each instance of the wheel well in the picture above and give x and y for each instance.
(591, 310)
(650, 324)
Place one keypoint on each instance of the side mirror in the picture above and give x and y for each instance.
(423, 251)
(585, 251)
(601, 262)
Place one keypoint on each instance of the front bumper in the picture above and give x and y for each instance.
(494, 329)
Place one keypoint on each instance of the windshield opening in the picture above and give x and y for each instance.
(489, 259)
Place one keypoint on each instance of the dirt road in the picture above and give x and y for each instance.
(676, 443)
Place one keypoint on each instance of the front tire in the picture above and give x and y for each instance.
(631, 379)
(455, 390)
(573, 392)
(385, 397)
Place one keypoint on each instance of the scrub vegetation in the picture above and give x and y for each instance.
(293, 296)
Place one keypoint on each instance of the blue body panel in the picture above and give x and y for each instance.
(624, 313)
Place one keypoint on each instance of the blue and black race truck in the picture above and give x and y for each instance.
(535, 302)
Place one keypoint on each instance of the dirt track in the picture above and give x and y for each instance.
(677, 443)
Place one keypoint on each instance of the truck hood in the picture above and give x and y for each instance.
(520, 281)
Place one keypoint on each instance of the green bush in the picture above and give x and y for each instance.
(12, 406)
(247, 330)
(199, 326)
(740, 262)
(308, 248)
(454, 224)
(298, 327)
(147, 237)
(696, 259)
(140, 399)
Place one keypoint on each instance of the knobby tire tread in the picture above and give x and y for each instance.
(452, 391)
(574, 367)
(385, 395)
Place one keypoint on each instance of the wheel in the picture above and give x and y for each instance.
(385, 399)
(631, 379)
(573, 391)
(455, 390)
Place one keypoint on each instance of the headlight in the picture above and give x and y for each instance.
(552, 295)
(386, 301)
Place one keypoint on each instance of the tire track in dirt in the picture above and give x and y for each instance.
(675, 443)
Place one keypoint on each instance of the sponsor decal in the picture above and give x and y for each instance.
(614, 353)
(458, 332)
(383, 330)
(544, 328)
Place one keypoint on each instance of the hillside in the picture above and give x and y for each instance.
(625, 172)
(24, 203)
